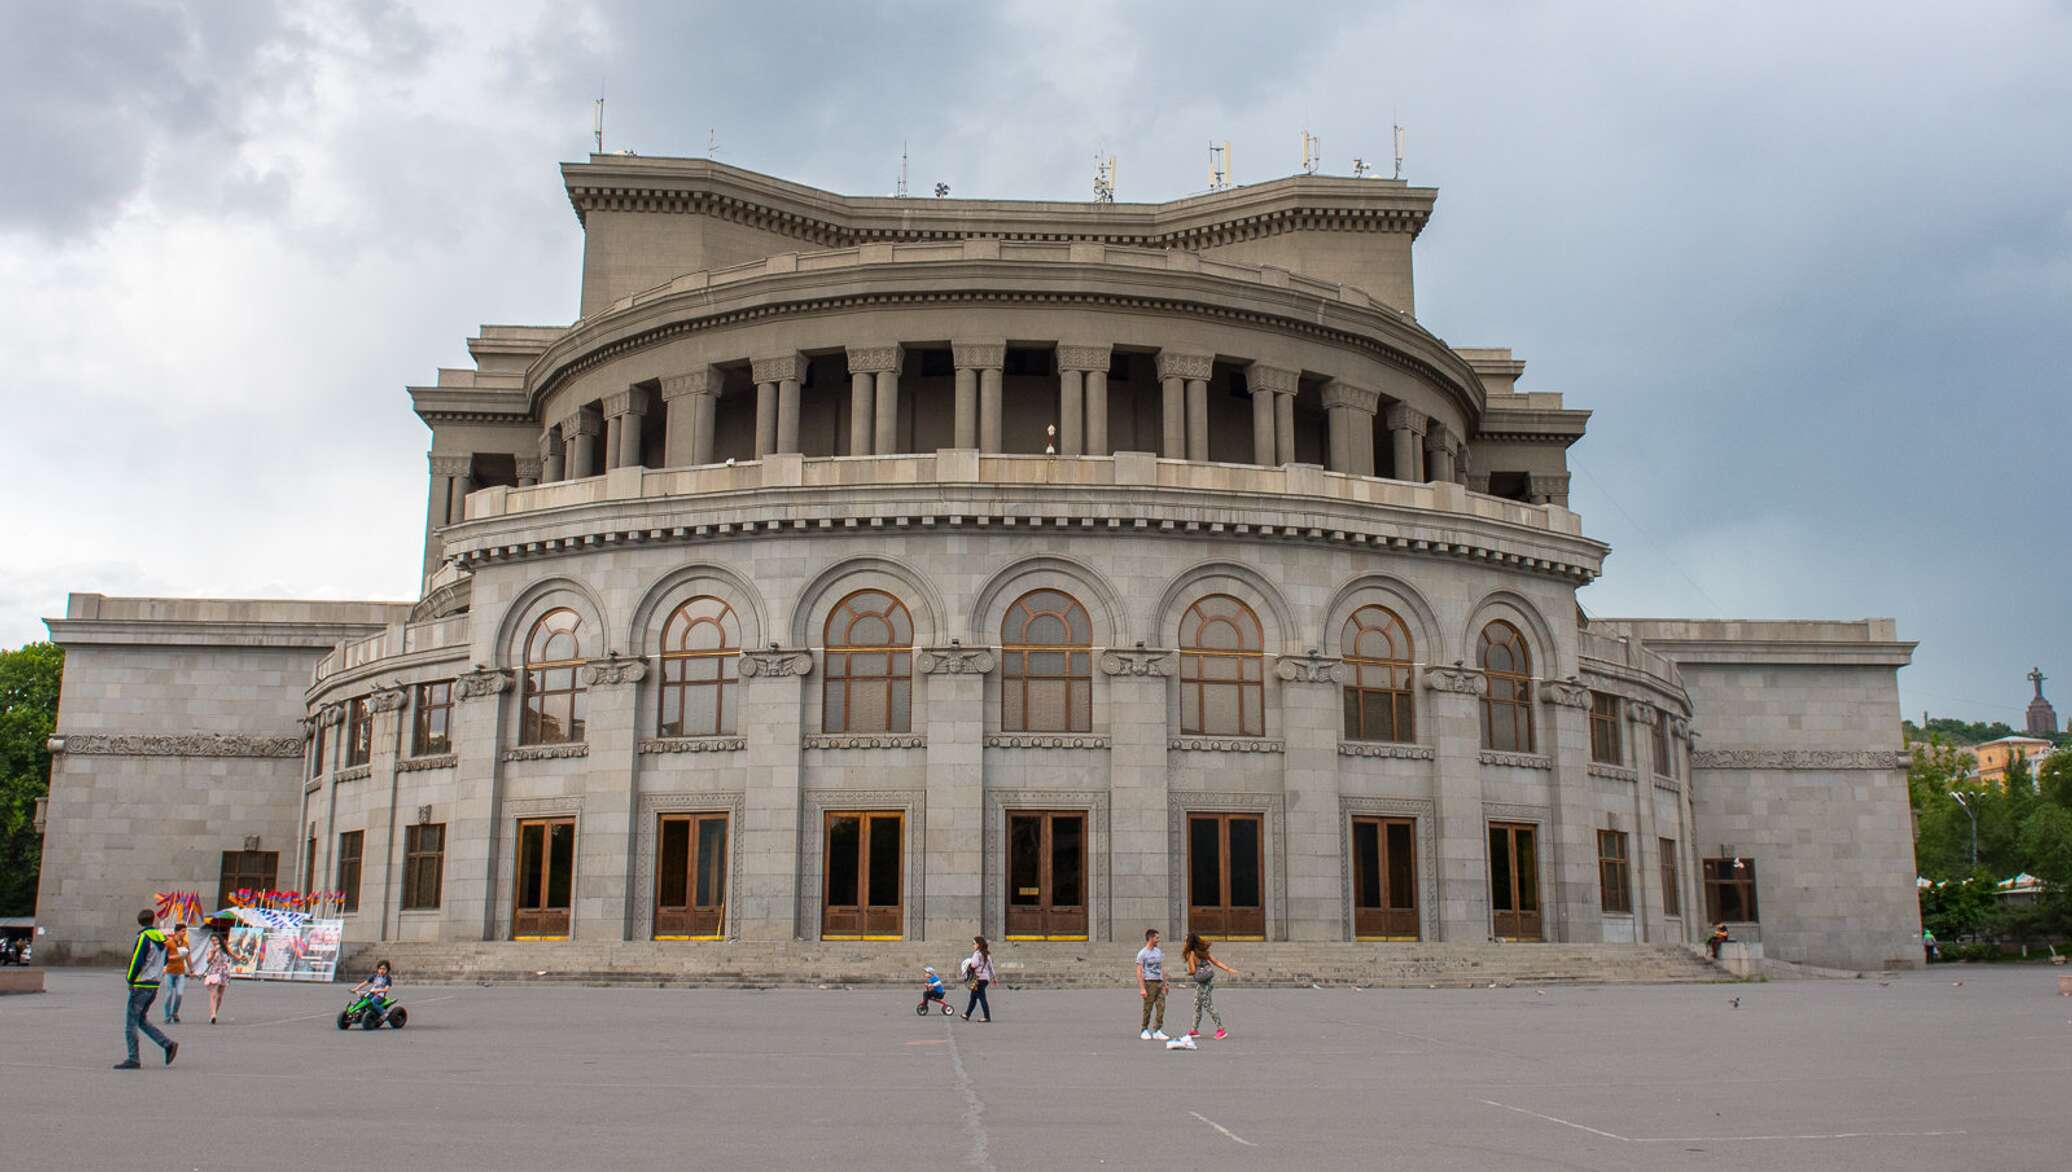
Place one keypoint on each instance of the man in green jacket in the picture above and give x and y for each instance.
(146, 966)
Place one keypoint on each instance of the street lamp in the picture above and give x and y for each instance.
(1973, 815)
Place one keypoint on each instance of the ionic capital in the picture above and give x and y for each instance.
(631, 401)
(978, 355)
(703, 381)
(1641, 712)
(1083, 358)
(873, 359)
(461, 465)
(778, 369)
(1190, 366)
(1345, 394)
(1271, 378)
(1404, 417)
(1462, 681)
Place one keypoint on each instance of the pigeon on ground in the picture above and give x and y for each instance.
(1736, 1004)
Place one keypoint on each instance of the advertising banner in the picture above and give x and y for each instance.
(271, 945)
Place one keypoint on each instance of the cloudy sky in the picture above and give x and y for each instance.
(1811, 265)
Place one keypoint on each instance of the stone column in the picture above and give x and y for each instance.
(474, 818)
(1139, 850)
(1439, 449)
(1312, 715)
(528, 468)
(788, 373)
(550, 455)
(772, 722)
(1272, 388)
(448, 471)
(1193, 372)
(965, 431)
(882, 362)
(983, 361)
(765, 418)
(1649, 922)
(1080, 369)
(605, 844)
(1172, 440)
(625, 411)
(1547, 488)
(611, 440)
(1406, 429)
(1453, 722)
(689, 401)
(954, 879)
(579, 435)
(1350, 410)
(1572, 906)
(862, 390)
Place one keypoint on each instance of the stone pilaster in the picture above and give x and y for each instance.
(1648, 919)
(449, 475)
(381, 860)
(1406, 427)
(1350, 410)
(983, 361)
(1453, 721)
(1311, 718)
(1139, 851)
(1272, 388)
(788, 373)
(1572, 904)
(480, 729)
(690, 402)
(611, 787)
(772, 720)
(955, 826)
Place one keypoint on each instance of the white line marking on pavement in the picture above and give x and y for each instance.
(1227, 1133)
(1721, 1139)
(974, 1109)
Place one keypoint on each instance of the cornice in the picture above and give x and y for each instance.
(1810, 759)
(158, 633)
(176, 745)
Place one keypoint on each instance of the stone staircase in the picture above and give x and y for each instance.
(733, 964)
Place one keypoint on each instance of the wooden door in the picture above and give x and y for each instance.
(863, 881)
(546, 879)
(1046, 875)
(691, 877)
(1514, 881)
(1226, 871)
(1385, 879)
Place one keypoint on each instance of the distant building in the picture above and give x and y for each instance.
(1995, 758)
(2043, 719)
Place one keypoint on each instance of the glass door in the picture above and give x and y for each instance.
(1514, 881)
(546, 879)
(1225, 869)
(1046, 875)
(1384, 879)
(691, 877)
(862, 894)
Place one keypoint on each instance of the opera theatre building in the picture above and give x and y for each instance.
(902, 569)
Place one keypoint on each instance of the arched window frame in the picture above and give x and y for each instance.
(551, 691)
(1031, 666)
(1214, 678)
(887, 667)
(1506, 662)
(689, 669)
(1380, 701)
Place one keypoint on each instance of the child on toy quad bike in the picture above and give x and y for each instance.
(371, 1006)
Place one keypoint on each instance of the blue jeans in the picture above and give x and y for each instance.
(138, 1017)
(175, 987)
(978, 1001)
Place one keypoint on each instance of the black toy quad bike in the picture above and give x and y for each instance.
(372, 1011)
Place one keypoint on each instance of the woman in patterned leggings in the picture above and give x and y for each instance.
(1202, 967)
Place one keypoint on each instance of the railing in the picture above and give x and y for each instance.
(400, 639)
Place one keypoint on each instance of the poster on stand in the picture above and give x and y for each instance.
(272, 945)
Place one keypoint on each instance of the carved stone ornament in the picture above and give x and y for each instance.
(776, 370)
(956, 661)
(1799, 759)
(356, 773)
(1404, 417)
(1140, 661)
(461, 465)
(1516, 760)
(180, 745)
(1680, 728)
(655, 745)
(528, 466)
(547, 752)
(1565, 694)
(1385, 749)
(420, 764)
(1224, 745)
(704, 381)
(1260, 377)
(775, 663)
(1171, 365)
(631, 401)
(332, 714)
(477, 684)
(1309, 669)
(873, 359)
(978, 355)
(1614, 772)
(1083, 358)
(865, 741)
(1464, 681)
(581, 423)
(1642, 712)
(614, 671)
(1044, 741)
(1344, 394)
(388, 699)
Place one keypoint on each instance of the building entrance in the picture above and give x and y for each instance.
(862, 895)
(1225, 868)
(691, 877)
(546, 879)
(1046, 875)
(1384, 879)
(1514, 881)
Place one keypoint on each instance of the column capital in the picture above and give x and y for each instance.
(1404, 417)
(1190, 366)
(631, 401)
(581, 423)
(1083, 358)
(977, 355)
(873, 359)
(1565, 694)
(548, 440)
(779, 368)
(528, 467)
(451, 464)
(1551, 485)
(703, 381)
(1464, 681)
(1439, 439)
(1344, 394)
(1260, 377)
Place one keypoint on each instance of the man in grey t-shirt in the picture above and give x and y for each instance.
(1151, 987)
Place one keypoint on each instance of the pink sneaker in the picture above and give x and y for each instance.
(1194, 1033)
(1220, 1035)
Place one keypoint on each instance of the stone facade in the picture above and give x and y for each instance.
(1311, 576)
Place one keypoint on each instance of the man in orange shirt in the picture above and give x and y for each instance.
(175, 971)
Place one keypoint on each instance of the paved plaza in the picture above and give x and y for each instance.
(1910, 1073)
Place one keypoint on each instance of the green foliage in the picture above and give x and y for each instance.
(1961, 907)
(2054, 778)
(2025, 827)
(1957, 732)
(29, 679)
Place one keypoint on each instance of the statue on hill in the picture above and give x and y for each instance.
(2043, 719)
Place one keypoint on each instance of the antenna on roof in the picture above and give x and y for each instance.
(1104, 179)
(1399, 150)
(1219, 165)
(902, 192)
(597, 121)
(1312, 153)
(1360, 168)
(711, 141)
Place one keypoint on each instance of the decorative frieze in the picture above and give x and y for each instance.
(1139, 661)
(1224, 745)
(1310, 669)
(176, 745)
(480, 683)
(1083, 358)
(356, 773)
(1464, 681)
(1565, 694)
(547, 752)
(1799, 759)
(614, 671)
(776, 662)
(865, 741)
(873, 359)
(956, 661)
(1171, 365)
(1516, 760)
(1389, 749)
(650, 746)
(1614, 772)
(421, 764)
(1043, 741)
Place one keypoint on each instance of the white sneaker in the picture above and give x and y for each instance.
(1159, 1036)
(1145, 1036)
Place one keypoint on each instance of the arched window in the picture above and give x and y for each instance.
(869, 684)
(551, 699)
(1378, 655)
(1507, 688)
(701, 649)
(1222, 692)
(1046, 665)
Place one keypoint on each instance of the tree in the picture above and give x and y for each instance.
(29, 679)
(2054, 778)
(1942, 830)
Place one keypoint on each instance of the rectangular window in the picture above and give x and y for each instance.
(349, 845)
(359, 731)
(1614, 875)
(1604, 729)
(1664, 765)
(431, 725)
(1507, 714)
(1730, 891)
(424, 865)
(1672, 896)
(247, 871)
